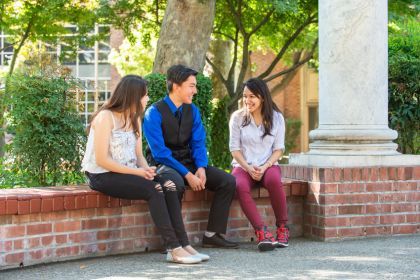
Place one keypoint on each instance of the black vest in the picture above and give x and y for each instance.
(176, 135)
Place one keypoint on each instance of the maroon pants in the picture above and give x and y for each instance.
(272, 182)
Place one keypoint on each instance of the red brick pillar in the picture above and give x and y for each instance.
(357, 202)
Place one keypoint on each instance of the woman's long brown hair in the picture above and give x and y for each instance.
(126, 99)
(260, 89)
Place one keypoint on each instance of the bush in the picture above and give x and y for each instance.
(404, 85)
(156, 86)
(292, 134)
(49, 136)
(219, 133)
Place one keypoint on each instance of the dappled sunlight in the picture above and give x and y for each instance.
(356, 259)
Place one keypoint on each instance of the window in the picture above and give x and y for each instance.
(89, 63)
(6, 50)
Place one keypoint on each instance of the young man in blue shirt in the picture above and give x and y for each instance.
(176, 138)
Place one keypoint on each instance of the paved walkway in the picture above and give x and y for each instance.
(377, 258)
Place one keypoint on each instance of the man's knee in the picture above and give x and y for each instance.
(168, 173)
(230, 183)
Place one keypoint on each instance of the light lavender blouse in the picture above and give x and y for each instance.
(256, 150)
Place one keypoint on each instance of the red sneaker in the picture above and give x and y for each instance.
(265, 240)
(283, 236)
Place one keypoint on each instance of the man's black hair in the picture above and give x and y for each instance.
(177, 74)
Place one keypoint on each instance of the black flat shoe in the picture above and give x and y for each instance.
(217, 241)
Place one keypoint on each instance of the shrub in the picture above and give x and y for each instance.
(404, 85)
(292, 134)
(49, 136)
(219, 134)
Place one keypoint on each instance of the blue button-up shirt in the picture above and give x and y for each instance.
(152, 128)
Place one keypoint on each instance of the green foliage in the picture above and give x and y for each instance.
(25, 21)
(156, 86)
(131, 16)
(219, 134)
(286, 28)
(292, 134)
(400, 9)
(49, 136)
(404, 84)
(133, 57)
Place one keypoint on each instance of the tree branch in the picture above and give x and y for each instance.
(157, 13)
(10, 45)
(244, 66)
(22, 41)
(287, 77)
(262, 22)
(230, 77)
(217, 71)
(286, 46)
(224, 34)
(295, 65)
(237, 15)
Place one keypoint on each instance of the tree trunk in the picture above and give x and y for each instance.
(185, 34)
(221, 56)
(2, 143)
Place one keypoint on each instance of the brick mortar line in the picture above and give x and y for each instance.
(367, 204)
(48, 234)
(364, 226)
(67, 246)
(363, 204)
(366, 192)
(366, 215)
(40, 236)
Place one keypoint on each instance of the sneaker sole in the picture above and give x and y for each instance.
(282, 245)
(263, 247)
(220, 247)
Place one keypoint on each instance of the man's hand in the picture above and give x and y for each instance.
(201, 174)
(194, 182)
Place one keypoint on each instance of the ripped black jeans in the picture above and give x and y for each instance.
(161, 196)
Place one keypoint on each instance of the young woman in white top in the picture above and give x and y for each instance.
(256, 143)
(115, 166)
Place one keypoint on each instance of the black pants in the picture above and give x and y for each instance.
(161, 196)
(221, 183)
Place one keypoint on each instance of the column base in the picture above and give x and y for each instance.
(353, 140)
(308, 159)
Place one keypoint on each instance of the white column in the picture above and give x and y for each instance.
(353, 86)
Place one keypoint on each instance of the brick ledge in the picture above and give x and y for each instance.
(23, 201)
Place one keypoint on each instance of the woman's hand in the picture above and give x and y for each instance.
(148, 173)
(252, 170)
(260, 170)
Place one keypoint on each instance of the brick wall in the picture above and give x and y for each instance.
(41, 225)
(358, 202)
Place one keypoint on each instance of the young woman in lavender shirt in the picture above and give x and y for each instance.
(256, 143)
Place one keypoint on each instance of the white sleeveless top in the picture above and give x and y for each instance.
(122, 149)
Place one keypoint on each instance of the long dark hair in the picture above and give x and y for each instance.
(260, 89)
(126, 99)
